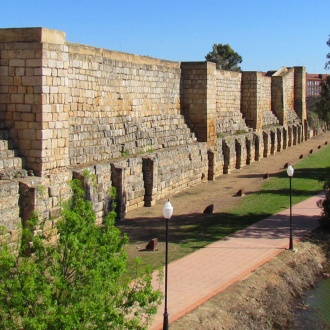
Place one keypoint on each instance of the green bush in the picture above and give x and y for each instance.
(78, 283)
(324, 203)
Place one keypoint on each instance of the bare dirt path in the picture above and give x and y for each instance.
(140, 225)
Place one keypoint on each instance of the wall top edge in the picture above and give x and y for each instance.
(283, 71)
(80, 49)
(32, 34)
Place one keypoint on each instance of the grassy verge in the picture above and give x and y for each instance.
(190, 233)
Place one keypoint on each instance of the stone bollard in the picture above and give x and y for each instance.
(152, 245)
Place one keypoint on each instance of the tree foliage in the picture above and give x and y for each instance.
(324, 203)
(78, 283)
(327, 63)
(224, 57)
(323, 105)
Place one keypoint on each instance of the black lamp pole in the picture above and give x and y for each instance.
(167, 213)
(291, 238)
(290, 172)
(165, 322)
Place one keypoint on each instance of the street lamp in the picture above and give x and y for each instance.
(290, 172)
(167, 213)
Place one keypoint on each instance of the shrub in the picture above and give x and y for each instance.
(324, 203)
(78, 283)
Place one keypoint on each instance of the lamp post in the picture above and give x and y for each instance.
(290, 172)
(167, 213)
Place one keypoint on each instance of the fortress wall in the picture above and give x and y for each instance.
(267, 117)
(256, 100)
(228, 103)
(288, 87)
(122, 104)
(264, 89)
(194, 104)
(163, 177)
(132, 121)
(10, 213)
(249, 97)
(33, 95)
(300, 95)
(283, 95)
(228, 93)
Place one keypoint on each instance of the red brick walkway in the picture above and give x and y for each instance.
(197, 277)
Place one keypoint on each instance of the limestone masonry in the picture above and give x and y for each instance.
(148, 127)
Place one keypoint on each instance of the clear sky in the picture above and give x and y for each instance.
(268, 34)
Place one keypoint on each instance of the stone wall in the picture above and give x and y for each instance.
(256, 100)
(198, 103)
(33, 95)
(228, 103)
(122, 104)
(148, 127)
(283, 95)
(10, 212)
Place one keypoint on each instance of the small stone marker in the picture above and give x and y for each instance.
(241, 192)
(152, 245)
(209, 209)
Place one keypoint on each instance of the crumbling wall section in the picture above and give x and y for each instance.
(10, 213)
(163, 177)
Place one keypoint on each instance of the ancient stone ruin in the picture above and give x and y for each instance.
(148, 127)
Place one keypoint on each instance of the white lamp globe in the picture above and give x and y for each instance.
(167, 210)
(290, 170)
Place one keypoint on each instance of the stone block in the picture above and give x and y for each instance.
(54, 191)
(152, 245)
(241, 192)
(209, 209)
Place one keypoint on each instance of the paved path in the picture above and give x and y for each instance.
(197, 277)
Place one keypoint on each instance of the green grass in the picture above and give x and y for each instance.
(307, 181)
(188, 233)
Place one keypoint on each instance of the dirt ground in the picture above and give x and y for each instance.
(221, 193)
(225, 310)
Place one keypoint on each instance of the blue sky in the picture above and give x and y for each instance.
(268, 34)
